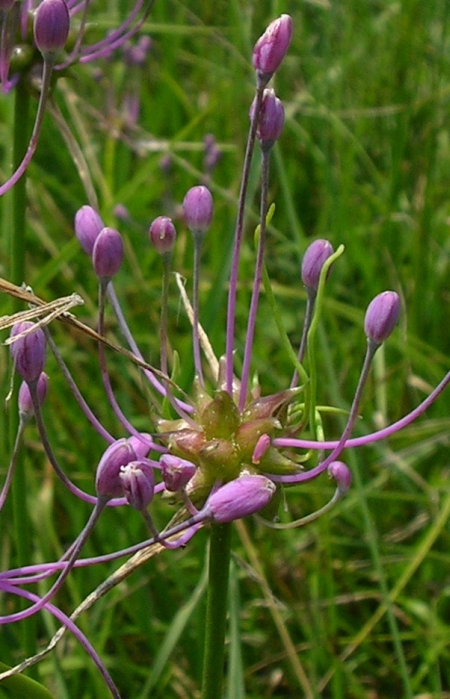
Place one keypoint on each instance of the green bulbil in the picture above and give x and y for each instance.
(220, 418)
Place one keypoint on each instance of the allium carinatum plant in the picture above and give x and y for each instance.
(223, 450)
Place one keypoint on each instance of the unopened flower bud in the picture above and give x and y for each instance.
(162, 234)
(270, 118)
(51, 26)
(28, 352)
(176, 472)
(341, 474)
(107, 481)
(271, 47)
(107, 254)
(88, 225)
(262, 445)
(381, 316)
(25, 404)
(138, 484)
(313, 260)
(198, 209)
(239, 498)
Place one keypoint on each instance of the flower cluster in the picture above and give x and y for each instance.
(225, 451)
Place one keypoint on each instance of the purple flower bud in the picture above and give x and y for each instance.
(28, 352)
(241, 497)
(51, 26)
(341, 474)
(138, 484)
(271, 47)
(107, 254)
(270, 118)
(198, 209)
(107, 480)
(313, 260)
(381, 316)
(88, 225)
(262, 445)
(25, 403)
(176, 472)
(162, 234)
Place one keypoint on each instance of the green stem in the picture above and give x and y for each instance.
(216, 611)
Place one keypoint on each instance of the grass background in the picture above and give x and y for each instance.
(356, 605)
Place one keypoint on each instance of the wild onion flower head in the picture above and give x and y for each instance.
(225, 448)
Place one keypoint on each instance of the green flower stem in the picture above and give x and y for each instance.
(216, 610)
(311, 342)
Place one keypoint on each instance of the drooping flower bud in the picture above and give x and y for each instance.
(88, 225)
(341, 474)
(107, 480)
(198, 209)
(51, 26)
(138, 484)
(381, 316)
(270, 118)
(239, 498)
(162, 234)
(313, 260)
(271, 47)
(107, 253)
(28, 352)
(24, 401)
(176, 472)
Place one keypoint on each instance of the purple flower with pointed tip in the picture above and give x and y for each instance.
(241, 497)
(313, 260)
(176, 472)
(51, 26)
(107, 253)
(272, 46)
(341, 474)
(28, 352)
(88, 225)
(382, 316)
(24, 401)
(270, 118)
(108, 483)
(162, 234)
(137, 483)
(198, 209)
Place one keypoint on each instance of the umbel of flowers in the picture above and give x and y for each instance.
(226, 450)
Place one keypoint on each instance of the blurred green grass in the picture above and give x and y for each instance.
(357, 603)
